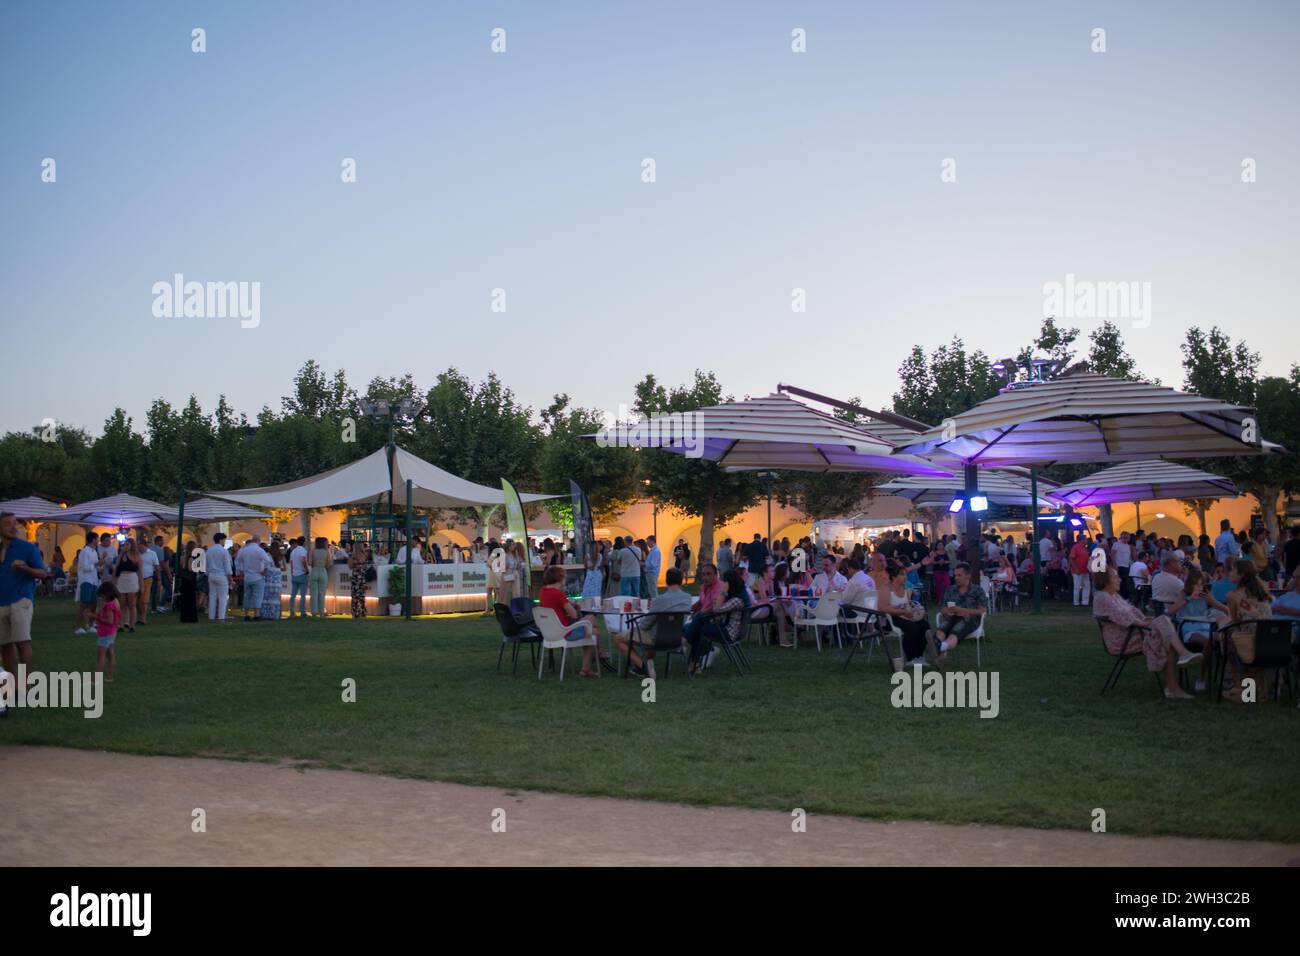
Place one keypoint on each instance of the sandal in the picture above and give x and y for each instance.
(587, 673)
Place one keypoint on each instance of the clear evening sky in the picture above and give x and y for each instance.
(522, 171)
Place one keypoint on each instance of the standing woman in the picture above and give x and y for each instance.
(319, 576)
(126, 578)
(270, 610)
(357, 564)
(189, 586)
(510, 576)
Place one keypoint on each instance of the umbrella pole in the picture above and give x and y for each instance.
(1137, 508)
(410, 548)
(972, 537)
(180, 530)
(1038, 570)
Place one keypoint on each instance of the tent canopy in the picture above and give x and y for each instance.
(782, 434)
(365, 480)
(1001, 486)
(1092, 418)
(1143, 481)
(117, 510)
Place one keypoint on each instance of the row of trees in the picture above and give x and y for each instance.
(480, 431)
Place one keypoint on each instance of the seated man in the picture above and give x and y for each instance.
(671, 600)
(964, 605)
(1288, 604)
(830, 578)
(1167, 585)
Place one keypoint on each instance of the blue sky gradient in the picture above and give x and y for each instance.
(775, 170)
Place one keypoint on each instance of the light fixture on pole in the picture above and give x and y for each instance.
(768, 477)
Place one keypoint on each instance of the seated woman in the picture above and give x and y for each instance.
(1157, 640)
(1004, 578)
(768, 588)
(723, 618)
(964, 605)
(914, 630)
(1197, 602)
(1249, 601)
(552, 596)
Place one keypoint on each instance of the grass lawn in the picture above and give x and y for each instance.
(797, 733)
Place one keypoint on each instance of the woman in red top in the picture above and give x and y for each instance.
(1079, 555)
(552, 596)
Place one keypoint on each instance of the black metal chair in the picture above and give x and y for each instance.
(516, 634)
(1132, 648)
(872, 631)
(1273, 651)
(667, 634)
(732, 646)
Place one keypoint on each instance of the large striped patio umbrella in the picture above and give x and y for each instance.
(774, 433)
(1143, 481)
(121, 511)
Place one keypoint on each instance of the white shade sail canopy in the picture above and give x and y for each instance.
(1000, 486)
(205, 510)
(117, 510)
(30, 507)
(365, 480)
(1092, 418)
(1143, 481)
(777, 433)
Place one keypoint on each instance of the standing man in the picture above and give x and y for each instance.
(149, 575)
(253, 563)
(219, 569)
(1122, 554)
(299, 574)
(87, 584)
(756, 556)
(629, 571)
(21, 566)
(107, 557)
(726, 559)
(162, 579)
(654, 560)
(1226, 548)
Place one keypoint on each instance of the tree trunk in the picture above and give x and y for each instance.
(706, 535)
(484, 517)
(1200, 516)
(1107, 521)
(1267, 496)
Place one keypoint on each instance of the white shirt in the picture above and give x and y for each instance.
(298, 560)
(148, 564)
(416, 556)
(252, 563)
(1139, 572)
(1045, 550)
(217, 559)
(87, 563)
(856, 589)
(836, 583)
(1122, 554)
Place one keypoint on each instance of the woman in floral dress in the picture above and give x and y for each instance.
(1157, 636)
(357, 563)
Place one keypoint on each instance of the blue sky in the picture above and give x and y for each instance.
(522, 171)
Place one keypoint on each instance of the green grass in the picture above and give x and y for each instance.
(797, 733)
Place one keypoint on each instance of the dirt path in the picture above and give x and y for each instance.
(87, 808)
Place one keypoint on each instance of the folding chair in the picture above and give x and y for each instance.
(1130, 649)
(731, 646)
(877, 625)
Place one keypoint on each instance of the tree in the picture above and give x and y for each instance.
(692, 485)
(1215, 367)
(945, 384)
(479, 432)
(1054, 341)
(58, 468)
(611, 477)
(1107, 355)
(181, 449)
(118, 459)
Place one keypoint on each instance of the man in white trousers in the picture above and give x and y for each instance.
(219, 570)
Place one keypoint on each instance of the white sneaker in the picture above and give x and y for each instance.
(1186, 659)
(650, 669)
(81, 630)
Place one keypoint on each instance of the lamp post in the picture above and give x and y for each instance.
(655, 513)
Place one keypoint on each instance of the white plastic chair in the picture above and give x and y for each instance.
(825, 614)
(556, 635)
(976, 635)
